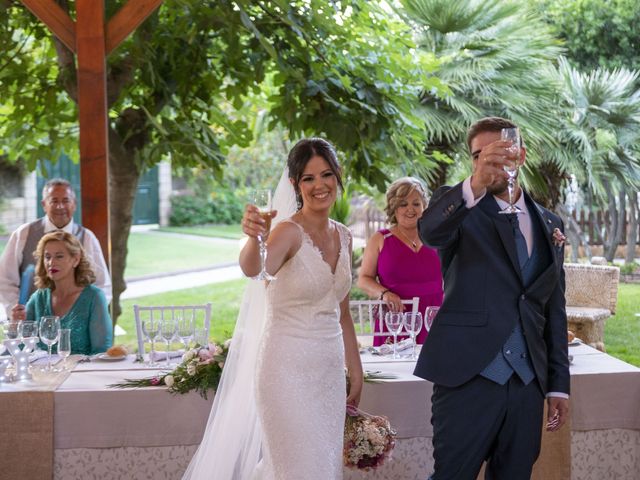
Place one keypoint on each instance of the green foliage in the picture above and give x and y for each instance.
(600, 130)
(222, 207)
(597, 33)
(629, 268)
(495, 59)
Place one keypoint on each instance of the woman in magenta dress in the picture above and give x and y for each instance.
(396, 265)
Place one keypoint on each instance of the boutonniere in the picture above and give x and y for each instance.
(558, 237)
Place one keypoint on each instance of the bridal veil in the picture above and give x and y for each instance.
(230, 447)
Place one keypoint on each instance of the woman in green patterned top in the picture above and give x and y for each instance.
(64, 279)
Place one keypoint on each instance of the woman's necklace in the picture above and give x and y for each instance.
(414, 243)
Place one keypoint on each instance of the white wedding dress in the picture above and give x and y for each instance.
(300, 377)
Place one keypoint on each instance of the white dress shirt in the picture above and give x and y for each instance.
(524, 219)
(12, 258)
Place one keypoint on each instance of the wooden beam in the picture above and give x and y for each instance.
(54, 17)
(92, 106)
(127, 19)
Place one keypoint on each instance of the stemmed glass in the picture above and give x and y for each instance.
(186, 330)
(429, 314)
(412, 324)
(27, 329)
(167, 332)
(49, 334)
(150, 330)
(512, 135)
(64, 346)
(393, 321)
(262, 200)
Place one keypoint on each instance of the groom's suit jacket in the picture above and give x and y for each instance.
(485, 295)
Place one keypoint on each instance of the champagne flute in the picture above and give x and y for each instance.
(413, 324)
(262, 200)
(49, 334)
(512, 135)
(393, 321)
(429, 315)
(64, 346)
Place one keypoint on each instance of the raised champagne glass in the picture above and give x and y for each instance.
(262, 200)
(512, 135)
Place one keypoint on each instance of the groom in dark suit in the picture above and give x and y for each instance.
(498, 346)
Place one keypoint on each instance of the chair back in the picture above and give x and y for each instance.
(366, 313)
(201, 315)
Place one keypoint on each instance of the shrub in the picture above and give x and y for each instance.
(223, 207)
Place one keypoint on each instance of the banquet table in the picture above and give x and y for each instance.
(107, 433)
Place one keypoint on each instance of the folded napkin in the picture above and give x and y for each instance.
(387, 348)
(157, 356)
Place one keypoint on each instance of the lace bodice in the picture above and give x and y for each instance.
(306, 294)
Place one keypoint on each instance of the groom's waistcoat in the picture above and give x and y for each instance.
(514, 356)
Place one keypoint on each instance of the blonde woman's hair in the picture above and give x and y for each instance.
(84, 274)
(398, 191)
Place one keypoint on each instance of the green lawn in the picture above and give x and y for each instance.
(622, 333)
(156, 252)
(225, 297)
(220, 231)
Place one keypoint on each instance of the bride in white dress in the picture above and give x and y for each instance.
(279, 412)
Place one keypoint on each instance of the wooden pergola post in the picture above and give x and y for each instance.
(92, 40)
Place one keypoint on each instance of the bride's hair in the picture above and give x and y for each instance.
(305, 150)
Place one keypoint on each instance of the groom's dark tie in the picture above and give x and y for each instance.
(521, 243)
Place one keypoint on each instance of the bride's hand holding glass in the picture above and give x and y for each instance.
(256, 223)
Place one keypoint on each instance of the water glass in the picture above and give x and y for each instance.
(186, 330)
(49, 333)
(150, 330)
(27, 329)
(64, 346)
(393, 321)
(413, 324)
(429, 315)
(167, 332)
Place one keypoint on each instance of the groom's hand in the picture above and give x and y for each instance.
(557, 413)
(488, 166)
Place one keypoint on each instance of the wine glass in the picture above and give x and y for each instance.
(167, 332)
(27, 329)
(150, 330)
(262, 200)
(412, 324)
(185, 330)
(512, 135)
(429, 315)
(393, 321)
(49, 334)
(64, 346)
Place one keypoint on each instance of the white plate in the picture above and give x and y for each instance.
(109, 358)
(575, 342)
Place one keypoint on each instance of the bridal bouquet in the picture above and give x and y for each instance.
(368, 439)
(200, 370)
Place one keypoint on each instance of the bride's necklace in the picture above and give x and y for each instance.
(414, 243)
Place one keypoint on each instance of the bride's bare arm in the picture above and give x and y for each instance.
(282, 243)
(351, 351)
